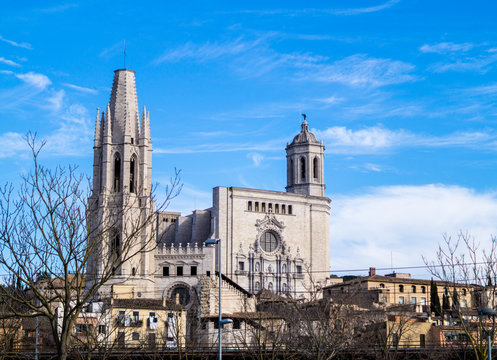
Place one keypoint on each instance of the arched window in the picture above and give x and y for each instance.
(115, 244)
(181, 295)
(315, 168)
(132, 174)
(401, 288)
(257, 266)
(117, 172)
(413, 289)
(423, 289)
(302, 169)
(382, 286)
(463, 292)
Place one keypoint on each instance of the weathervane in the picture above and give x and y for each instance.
(304, 116)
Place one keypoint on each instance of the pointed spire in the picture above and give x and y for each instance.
(108, 126)
(145, 129)
(98, 132)
(124, 104)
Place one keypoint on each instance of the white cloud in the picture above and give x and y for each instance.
(39, 81)
(23, 45)
(339, 139)
(359, 70)
(406, 220)
(365, 10)
(446, 47)
(480, 64)
(81, 88)
(9, 62)
(256, 158)
(13, 144)
(55, 102)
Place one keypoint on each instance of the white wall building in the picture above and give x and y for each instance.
(277, 240)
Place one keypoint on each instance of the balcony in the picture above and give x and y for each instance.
(128, 322)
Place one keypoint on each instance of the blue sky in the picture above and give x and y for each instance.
(401, 92)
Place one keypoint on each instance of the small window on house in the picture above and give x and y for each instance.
(208, 273)
(299, 269)
(401, 300)
(283, 209)
(401, 288)
(463, 292)
(179, 271)
(102, 329)
(165, 271)
(132, 140)
(133, 271)
(263, 207)
(423, 301)
(136, 316)
(249, 206)
(382, 286)
(256, 206)
(135, 336)
(277, 208)
(236, 324)
(384, 299)
(193, 270)
(413, 289)
(423, 289)
(413, 301)
(464, 303)
(290, 209)
(241, 266)
(216, 324)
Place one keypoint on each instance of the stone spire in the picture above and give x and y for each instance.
(107, 126)
(124, 106)
(98, 130)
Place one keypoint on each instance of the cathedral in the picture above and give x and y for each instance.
(273, 240)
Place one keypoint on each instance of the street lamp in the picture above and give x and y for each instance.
(488, 314)
(220, 321)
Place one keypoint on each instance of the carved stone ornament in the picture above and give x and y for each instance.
(270, 223)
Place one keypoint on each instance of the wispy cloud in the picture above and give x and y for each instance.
(56, 101)
(9, 62)
(324, 11)
(360, 70)
(112, 50)
(23, 45)
(272, 145)
(81, 88)
(59, 8)
(446, 47)
(37, 80)
(388, 226)
(13, 144)
(368, 140)
(481, 64)
(208, 51)
(256, 158)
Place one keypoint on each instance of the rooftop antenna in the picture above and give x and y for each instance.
(125, 54)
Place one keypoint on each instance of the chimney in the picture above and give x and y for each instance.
(372, 271)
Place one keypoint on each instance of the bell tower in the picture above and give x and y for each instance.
(121, 207)
(305, 163)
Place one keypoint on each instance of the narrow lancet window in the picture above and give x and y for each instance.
(132, 175)
(117, 173)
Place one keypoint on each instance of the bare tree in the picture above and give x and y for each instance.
(467, 269)
(49, 236)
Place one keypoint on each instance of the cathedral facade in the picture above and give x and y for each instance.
(273, 240)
